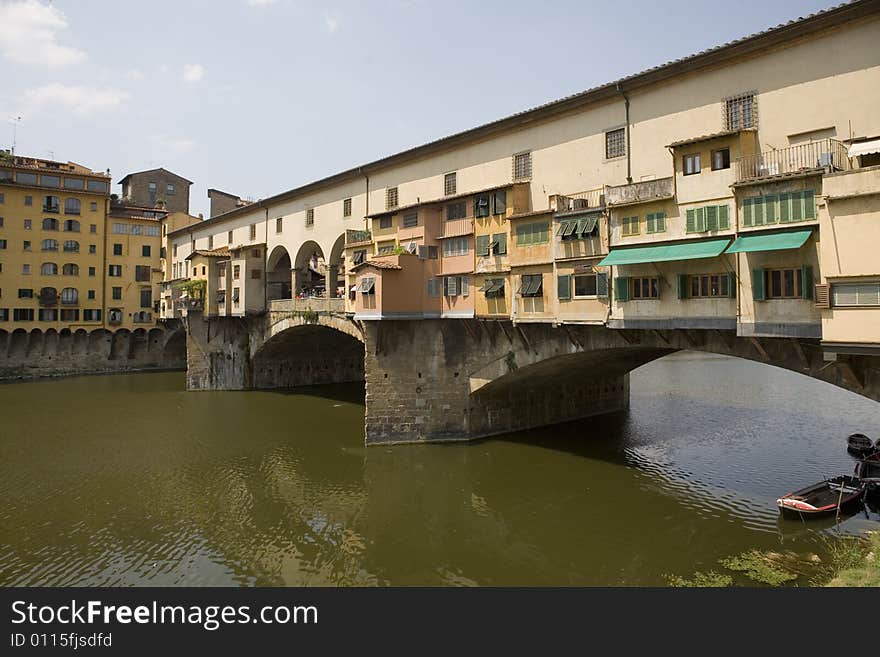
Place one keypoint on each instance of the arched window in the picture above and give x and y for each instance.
(69, 296)
(71, 206)
(71, 246)
(114, 316)
(49, 245)
(71, 225)
(50, 224)
(51, 204)
(48, 296)
(49, 269)
(70, 269)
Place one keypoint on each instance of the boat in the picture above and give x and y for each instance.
(822, 498)
(858, 444)
(868, 472)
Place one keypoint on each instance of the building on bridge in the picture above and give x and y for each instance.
(735, 190)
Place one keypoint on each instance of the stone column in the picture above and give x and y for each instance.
(217, 353)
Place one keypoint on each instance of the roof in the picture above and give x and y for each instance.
(527, 215)
(222, 252)
(714, 135)
(170, 173)
(749, 45)
(442, 199)
(378, 264)
(41, 164)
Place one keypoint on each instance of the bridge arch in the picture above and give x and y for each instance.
(278, 274)
(335, 267)
(309, 269)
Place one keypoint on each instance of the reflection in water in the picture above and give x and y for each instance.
(125, 480)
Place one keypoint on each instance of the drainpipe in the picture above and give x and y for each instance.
(367, 213)
(628, 140)
(266, 265)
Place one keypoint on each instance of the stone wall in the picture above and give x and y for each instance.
(217, 353)
(35, 354)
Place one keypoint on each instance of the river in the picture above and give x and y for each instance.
(131, 480)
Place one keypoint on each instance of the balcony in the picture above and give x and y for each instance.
(314, 304)
(357, 236)
(640, 192)
(825, 155)
(593, 199)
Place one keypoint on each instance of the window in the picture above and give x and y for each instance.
(114, 270)
(151, 188)
(28, 200)
(784, 283)
(359, 256)
(91, 294)
(346, 207)
(145, 251)
(117, 249)
(385, 222)
(709, 217)
(50, 224)
(428, 252)
(455, 286)
(310, 217)
(146, 298)
(97, 186)
(27, 224)
(256, 253)
(169, 189)
(92, 271)
(49, 269)
(71, 246)
(740, 112)
(783, 208)
(455, 246)
(91, 315)
(70, 314)
(71, 226)
(534, 233)
(705, 286)
(210, 241)
(74, 183)
(691, 164)
(70, 269)
(2, 244)
(391, 198)
(645, 288)
(23, 315)
(69, 296)
(585, 285)
(456, 211)
(449, 184)
(26, 178)
(26, 269)
(368, 285)
(116, 293)
(629, 226)
(522, 166)
(499, 201)
(2, 198)
(855, 294)
(151, 231)
(236, 272)
(93, 207)
(655, 222)
(721, 159)
(236, 295)
(120, 229)
(615, 143)
(4, 314)
(481, 205)
(487, 245)
(93, 249)
(114, 316)
(51, 204)
(410, 219)
(50, 181)
(278, 224)
(253, 231)
(48, 315)
(532, 285)
(434, 287)
(25, 293)
(493, 288)
(256, 274)
(71, 206)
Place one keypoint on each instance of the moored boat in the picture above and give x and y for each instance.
(858, 444)
(868, 472)
(822, 498)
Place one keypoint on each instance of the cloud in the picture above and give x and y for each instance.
(177, 146)
(28, 31)
(331, 19)
(134, 74)
(192, 73)
(261, 3)
(81, 100)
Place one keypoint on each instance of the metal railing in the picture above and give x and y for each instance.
(590, 199)
(313, 304)
(355, 236)
(826, 155)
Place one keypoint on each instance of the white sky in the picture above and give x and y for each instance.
(257, 96)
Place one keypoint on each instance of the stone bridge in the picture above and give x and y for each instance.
(438, 380)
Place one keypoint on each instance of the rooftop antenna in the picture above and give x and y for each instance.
(14, 121)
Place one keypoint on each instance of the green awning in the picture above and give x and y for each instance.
(665, 252)
(776, 242)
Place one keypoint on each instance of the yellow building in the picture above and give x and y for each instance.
(52, 232)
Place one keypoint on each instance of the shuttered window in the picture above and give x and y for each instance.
(563, 287)
(707, 218)
(499, 243)
(529, 234)
(410, 219)
(532, 285)
(629, 226)
(855, 294)
(481, 205)
(704, 286)
(482, 245)
(456, 286)
(621, 288)
(499, 201)
(783, 208)
(655, 222)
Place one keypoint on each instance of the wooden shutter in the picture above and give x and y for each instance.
(758, 292)
(784, 208)
(601, 285)
(700, 219)
(563, 287)
(650, 223)
(758, 209)
(482, 245)
(823, 296)
(499, 200)
(711, 217)
(731, 284)
(464, 285)
(501, 243)
(683, 286)
(691, 221)
(809, 204)
(770, 214)
(797, 206)
(748, 212)
(806, 282)
(660, 219)
(723, 217)
(621, 288)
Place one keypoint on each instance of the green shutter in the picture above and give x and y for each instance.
(621, 288)
(683, 286)
(785, 208)
(770, 202)
(758, 209)
(501, 240)
(806, 282)
(482, 245)
(797, 206)
(748, 212)
(809, 204)
(700, 214)
(650, 223)
(601, 285)
(723, 217)
(711, 217)
(758, 293)
(691, 222)
(563, 287)
(731, 284)
(499, 200)
(660, 218)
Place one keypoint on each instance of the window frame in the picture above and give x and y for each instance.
(716, 152)
(691, 164)
(615, 140)
(653, 284)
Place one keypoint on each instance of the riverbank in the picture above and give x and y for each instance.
(858, 562)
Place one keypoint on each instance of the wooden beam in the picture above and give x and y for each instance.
(504, 331)
(522, 334)
(660, 335)
(571, 337)
(756, 343)
(626, 337)
(799, 350)
(850, 376)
